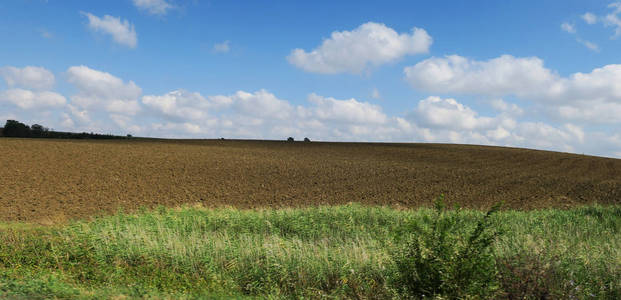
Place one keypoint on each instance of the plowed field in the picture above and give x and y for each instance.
(48, 180)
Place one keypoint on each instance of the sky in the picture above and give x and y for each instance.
(535, 74)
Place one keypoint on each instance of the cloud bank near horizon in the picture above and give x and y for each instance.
(103, 102)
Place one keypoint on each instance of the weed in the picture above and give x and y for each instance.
(443, 261)
(348, 251)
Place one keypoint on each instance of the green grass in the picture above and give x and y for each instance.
(350, 251)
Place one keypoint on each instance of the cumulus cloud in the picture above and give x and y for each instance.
(601, 84)
(174, 129)
(442, 120)
(106, 103)
(568, 27)
(29, 77)
(591, 113)
(126, 123)
(436, 112)
(434, 119)
(122, 31)
(508, 75)
(178, 105)
(349, 111)
(589, 18)
(612, 19)
(504, 107)
(27, 99)
(584, 97)
(609, 20)
(263, 115)
(371, 44)
(580, 96)
(182, 108)
(261, 104)
(539, 135)
(499, 76)
(80, 114)
(101, 89)
(154, 7)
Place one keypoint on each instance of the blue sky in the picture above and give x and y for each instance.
(536, 74)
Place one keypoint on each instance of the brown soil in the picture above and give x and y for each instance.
(63, 179)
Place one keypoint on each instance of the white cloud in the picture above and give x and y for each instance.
(526, 78)
(589, 18)
(572, 29)
(568, 27)
(154, 7)
(261, 104)
(29, 77)
(124, 122)
(121, 31)
(504, 107)
(26, 99)
(590, 45)
(442, 120)
(324, 118)
(539, 135)
(436, 112)
(499, 76)
(507, 75)
(179, 105)
(371, 44)
(498, 134)
(612, 19)
(177, 129)
(609, 20)
(575, 131)
(242, 114)
(262, 115)
(348, 111)
(118, 106)
(223, 47)
(101, 89)
(66, 122)
(589, 113)
(81, 115)
(601, 84)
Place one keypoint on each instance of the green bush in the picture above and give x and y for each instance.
(443, 260)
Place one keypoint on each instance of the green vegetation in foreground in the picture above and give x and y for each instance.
(350, 251)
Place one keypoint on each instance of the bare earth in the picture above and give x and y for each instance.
(52, 180)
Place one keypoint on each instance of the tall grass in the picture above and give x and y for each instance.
(349, 251)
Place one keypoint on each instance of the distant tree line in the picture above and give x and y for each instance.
(14, 128)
